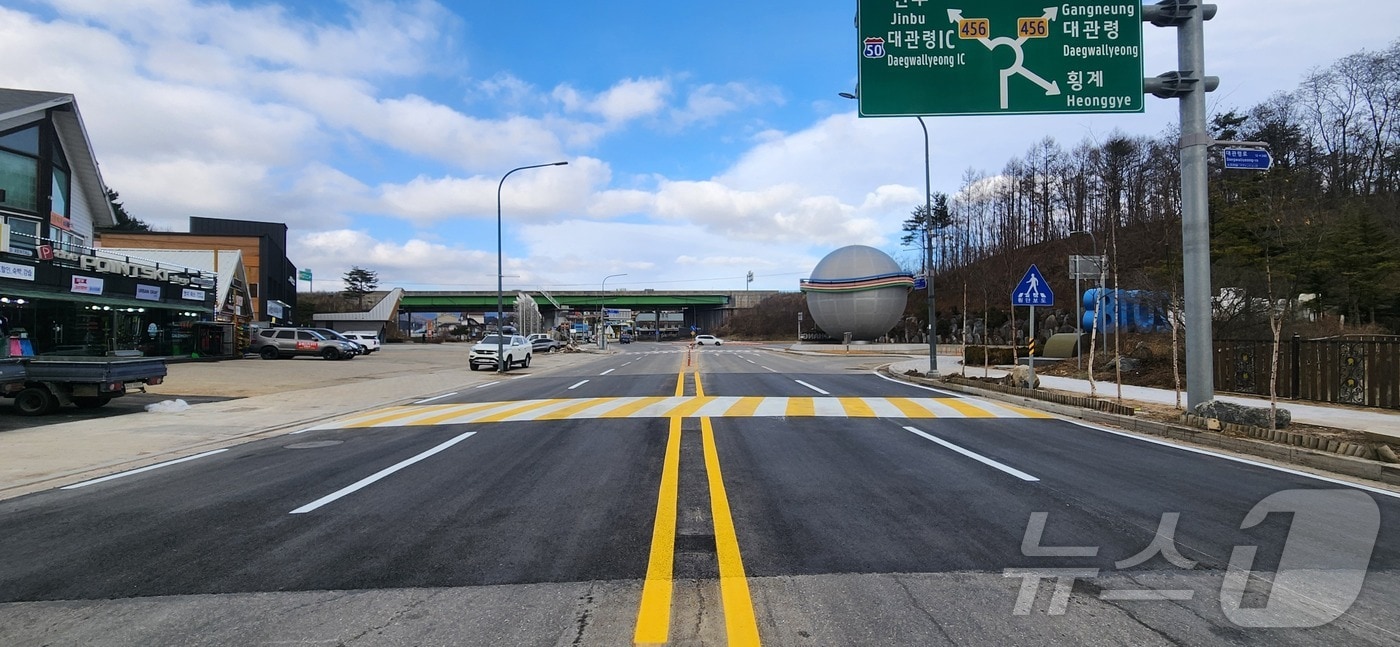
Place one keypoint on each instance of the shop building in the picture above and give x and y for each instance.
(271, 277)
(58, 293)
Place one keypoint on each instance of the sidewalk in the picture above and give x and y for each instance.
(272, 398)
(1382, 422)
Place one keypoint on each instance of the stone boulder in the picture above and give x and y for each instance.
(1242, 415)
(1020, 377)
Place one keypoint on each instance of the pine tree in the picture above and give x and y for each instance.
(360, 282)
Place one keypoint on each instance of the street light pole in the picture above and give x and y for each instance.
(928, 245)
(928, 258)
(603, 310)
(500, 269)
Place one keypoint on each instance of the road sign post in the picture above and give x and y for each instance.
(1254, 159)
(1032, 291)
(965, 57)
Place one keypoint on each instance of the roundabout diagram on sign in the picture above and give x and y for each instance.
(956, 57)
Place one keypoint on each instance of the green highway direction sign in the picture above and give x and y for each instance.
(998, 57)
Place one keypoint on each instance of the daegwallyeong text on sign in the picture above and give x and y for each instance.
(982, 57)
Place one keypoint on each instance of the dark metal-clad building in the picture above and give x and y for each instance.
(277, 276)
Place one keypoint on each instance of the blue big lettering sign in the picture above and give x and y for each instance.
(1132, 310)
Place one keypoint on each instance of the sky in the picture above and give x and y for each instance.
(704, 140)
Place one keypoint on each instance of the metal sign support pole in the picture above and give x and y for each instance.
(1030, 357)
(1195, 215)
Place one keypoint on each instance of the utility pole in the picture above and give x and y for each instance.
(1189, 84)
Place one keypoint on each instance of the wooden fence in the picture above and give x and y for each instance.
(1359, 371)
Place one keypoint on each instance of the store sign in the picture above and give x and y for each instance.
(192, 295)
(274, 309)
(12, 271)
(147, 292)
(87, 285)
(104, 265)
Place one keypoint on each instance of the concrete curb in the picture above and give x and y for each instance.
(1294, 454)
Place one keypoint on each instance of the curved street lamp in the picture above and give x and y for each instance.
(603, 310)
(500, 300)
(928, 246)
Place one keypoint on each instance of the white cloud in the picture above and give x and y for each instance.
(625, 101)
(530, 195)
(706, 103)
(378, 38)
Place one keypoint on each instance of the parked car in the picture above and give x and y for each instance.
(624, 338)
(702, 340)
(281, 343)
(516, 351)
(543, 342)
(337, 335)
(365, 338)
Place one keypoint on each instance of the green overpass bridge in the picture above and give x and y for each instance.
(702, 309)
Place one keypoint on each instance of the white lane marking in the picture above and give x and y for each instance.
(578, 385)
(482, 386)
(138, 471)
(953, 394)
(364, 482)
(607, 371)
(749, 361)
(975, 456)
(436, 397)
(812, 387)
(1237, 459)
(768, 369)
(1167, 443)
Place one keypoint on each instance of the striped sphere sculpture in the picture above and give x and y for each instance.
(857, 289)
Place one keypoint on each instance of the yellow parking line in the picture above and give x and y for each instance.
(740, 623)
(856, 408)
(654, 614)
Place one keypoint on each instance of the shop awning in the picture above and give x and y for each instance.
(100, 300)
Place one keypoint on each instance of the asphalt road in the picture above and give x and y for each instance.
(722, 496)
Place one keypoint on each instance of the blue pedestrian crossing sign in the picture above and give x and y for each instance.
(1033, 290)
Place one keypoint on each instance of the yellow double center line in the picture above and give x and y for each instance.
(654, 613)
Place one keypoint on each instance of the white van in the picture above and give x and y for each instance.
(367, 338)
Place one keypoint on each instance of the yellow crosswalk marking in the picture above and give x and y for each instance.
(856, 408)
(800, 407)
(697, 406)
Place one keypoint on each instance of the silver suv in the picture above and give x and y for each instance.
(516, 349)
(280, 343)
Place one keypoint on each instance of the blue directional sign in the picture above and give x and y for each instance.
(1257, 159)
(1033, 290)
(920, 283)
